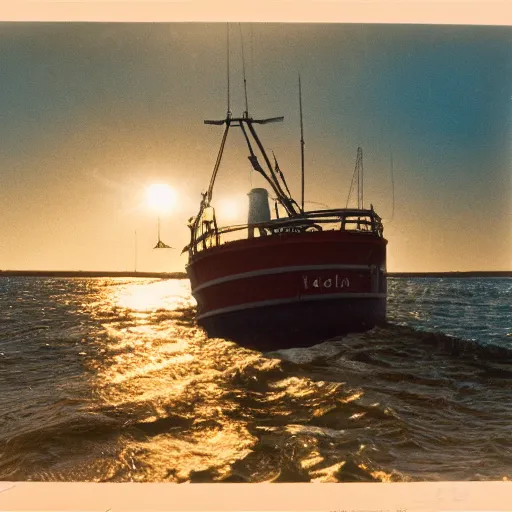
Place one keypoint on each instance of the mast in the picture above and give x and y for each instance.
(243, 70)
(301, 145)
(246, 121)
(208, 197)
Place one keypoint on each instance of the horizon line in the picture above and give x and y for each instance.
(183, 275)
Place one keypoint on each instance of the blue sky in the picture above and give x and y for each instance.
(93, 113)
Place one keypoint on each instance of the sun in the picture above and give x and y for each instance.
(161, 198)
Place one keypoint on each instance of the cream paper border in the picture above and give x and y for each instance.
(349, 497)
(492, 12)
(213, 497)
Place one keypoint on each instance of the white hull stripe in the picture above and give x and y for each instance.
(277, 270)
(277, 302)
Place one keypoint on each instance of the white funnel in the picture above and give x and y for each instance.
(259, 210)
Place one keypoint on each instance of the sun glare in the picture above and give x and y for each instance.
(232, 209)
(161, 198)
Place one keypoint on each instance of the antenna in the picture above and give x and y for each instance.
(301, 143)
(227, 61)
(243, 69)
(361, 174)
(252, 56)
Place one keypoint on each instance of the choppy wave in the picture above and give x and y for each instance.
(111, 380)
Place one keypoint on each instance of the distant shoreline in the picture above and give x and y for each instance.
(85, 273)
(481, 273)
(183, 275)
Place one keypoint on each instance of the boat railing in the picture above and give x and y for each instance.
(207, 234)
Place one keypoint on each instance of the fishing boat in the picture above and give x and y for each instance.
(286, 277)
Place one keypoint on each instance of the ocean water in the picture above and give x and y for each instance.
(110, 380)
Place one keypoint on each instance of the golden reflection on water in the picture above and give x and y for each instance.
(166, 295)
(150, 398)
(156, 366)
(188, 403)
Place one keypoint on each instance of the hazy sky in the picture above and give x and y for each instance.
(91, 114)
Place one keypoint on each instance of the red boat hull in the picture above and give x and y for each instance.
(290, 289)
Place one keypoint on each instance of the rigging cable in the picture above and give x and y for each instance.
(318, 203)
(357, 172)
(351, 185)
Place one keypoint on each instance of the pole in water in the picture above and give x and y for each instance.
(160, 244)
(135, 256)
(301, 144)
